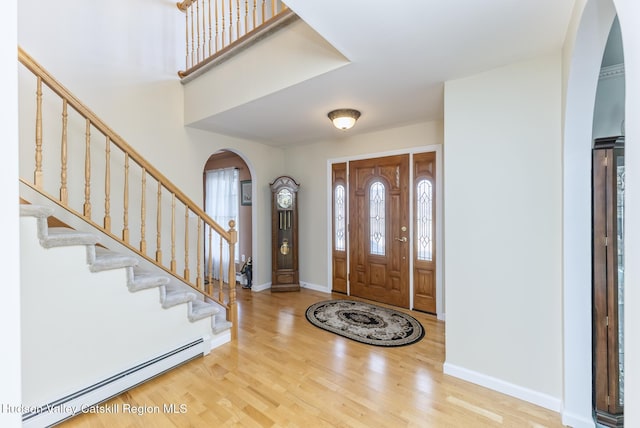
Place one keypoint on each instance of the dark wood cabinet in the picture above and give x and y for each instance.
(608, 280)
(284, 235)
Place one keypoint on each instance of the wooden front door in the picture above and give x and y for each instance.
(379, 229)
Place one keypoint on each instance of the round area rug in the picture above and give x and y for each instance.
(365, 322)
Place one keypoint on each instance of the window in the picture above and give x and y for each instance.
(221, 204)
(377, 225)
(339, 217)
(424, 219)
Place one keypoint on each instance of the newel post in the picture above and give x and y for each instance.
(232, 314)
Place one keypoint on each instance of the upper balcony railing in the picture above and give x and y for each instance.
(214, 27)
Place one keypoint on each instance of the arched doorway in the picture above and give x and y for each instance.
(588, 50)
(230, 196)
(608, 219)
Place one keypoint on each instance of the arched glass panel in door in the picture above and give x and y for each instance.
(339, 220)
(377, 220)
(424, 220)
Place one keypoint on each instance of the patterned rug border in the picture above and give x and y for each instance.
(417, 334)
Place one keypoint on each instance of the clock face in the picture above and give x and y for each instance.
(284, 199)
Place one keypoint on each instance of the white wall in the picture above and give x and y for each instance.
(503, 259)
(300, 51)
(71, 339)
(308, 166)
(124, 68)
(10, 365)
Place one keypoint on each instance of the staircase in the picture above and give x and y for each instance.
(100, 259)
(97, 322)
(133, 287)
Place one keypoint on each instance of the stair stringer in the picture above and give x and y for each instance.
(220, 327)
(81, 325)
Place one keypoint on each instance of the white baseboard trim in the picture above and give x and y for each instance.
(261, 287)
(220, 339)
(529, 395)
(577, 421)
(316, 287)
(88, 399)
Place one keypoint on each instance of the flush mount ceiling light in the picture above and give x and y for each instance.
(344, 118)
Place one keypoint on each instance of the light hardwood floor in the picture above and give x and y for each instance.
(284, 372)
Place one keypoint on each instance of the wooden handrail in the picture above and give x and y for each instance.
(93, 123)
(184, 5)
(64, 93)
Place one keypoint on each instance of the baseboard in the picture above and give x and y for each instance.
(531, 396)
(308, 285)
(261, 287)
(220, 339)
(576, 421)
(316, 287)
(88, 399)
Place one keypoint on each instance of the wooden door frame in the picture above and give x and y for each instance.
(437, 148)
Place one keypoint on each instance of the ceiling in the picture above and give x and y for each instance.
(401, 53)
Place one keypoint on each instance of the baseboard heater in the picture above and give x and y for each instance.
(87, 399)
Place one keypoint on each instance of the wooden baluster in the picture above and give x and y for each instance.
(186, 37)
(159, 222)
(125, 210)
(263, 10)
(204, 30)
(107, 186)
(186, 243)
(210, 31)
(232, 313)
(87, 170)
(220, 274)
(64, 193)
(255, 10)
(210, 263)
(193, 44)
(217, 26)
(273, 8)
(246, 17)
(173, 232)
(230, 21)
(198, 49)
(143, 213)
(37, 175)
(199, 256)
(224, 27)
(237, 19)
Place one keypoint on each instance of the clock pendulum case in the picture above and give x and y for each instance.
(284, 235)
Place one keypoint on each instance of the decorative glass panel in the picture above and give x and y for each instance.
(339, 218)
(424, 220)
(620, 239)
(377, 210)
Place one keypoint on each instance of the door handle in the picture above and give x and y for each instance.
(403, 239)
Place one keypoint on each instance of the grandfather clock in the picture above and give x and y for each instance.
(284, 235)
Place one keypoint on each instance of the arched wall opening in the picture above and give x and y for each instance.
(591, 38)
(223, 159)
